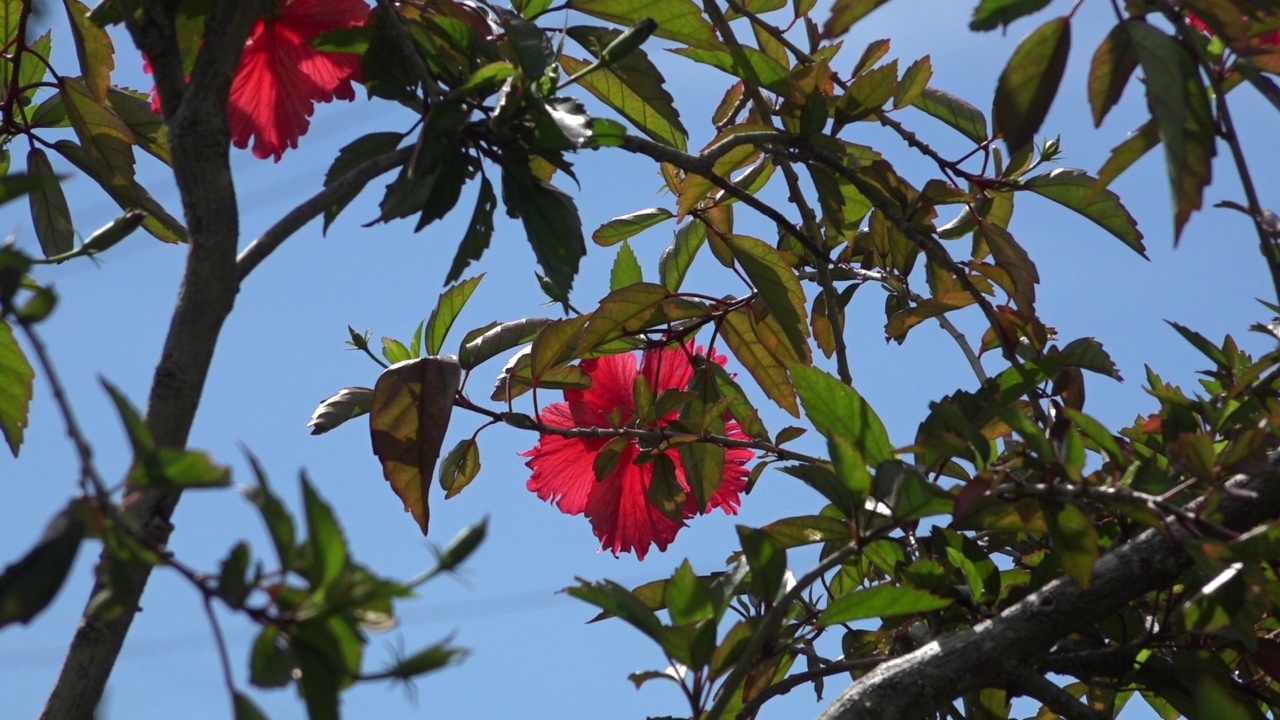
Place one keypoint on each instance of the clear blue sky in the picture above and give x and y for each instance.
(282, 352)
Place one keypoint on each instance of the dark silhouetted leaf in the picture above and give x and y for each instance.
(1113, 64)
(479, 232)
(991, 14)
(551, 223)
(49, 211)
(30, 584)
(1029, 83)
(844, 13)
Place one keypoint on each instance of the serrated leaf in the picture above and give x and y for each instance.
(837, 410)
(551, 223)
(106, 139)
(868, 93)
(93, 49)
(1075, 189)
(149, 130)
(1180, 107)
(914, 81)
(49, 211)
(742, 333)
(353, 155)
(498, 339)
(631, 309)
(991, 14)
(479, 232)
(628, 226)
(1029, 83)
(1129, 151)
(674, 263)
(626, 268)
(743, 62)
(777, 284)
(879, 602)
(125, 191)
(1113, 64)
(446, 311)
(844, 13)
(632, 86)
(618, 602)
(678, 20)
(960, 115)
(408, 419)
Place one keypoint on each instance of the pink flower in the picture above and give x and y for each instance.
(281, 76)
(618, 505)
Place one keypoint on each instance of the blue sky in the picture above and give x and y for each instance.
(282, 352)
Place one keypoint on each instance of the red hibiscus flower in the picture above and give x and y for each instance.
(618, 505)
(281, 76)
(1267, 39)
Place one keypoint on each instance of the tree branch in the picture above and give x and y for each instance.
(928, 678)
(199, 140)
(296, 218)
(1025, 681)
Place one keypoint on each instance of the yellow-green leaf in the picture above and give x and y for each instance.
(777, 284)
(16, 378)
(678, 20)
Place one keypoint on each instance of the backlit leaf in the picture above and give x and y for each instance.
(678, 20)
(16, 388)
(741, 332)
(408, 419)
(881, 601)
(446, 311)
(627, 226)
(1075, 189)
(777, 284)
(626, 268)
(844, 13)
(991, 14)
(960, 115)
(93, 49)
(49, 211)
(1029, 83)
(1113, 64)
(837, 410)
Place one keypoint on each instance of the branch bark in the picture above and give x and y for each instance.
(199, 140)
(916, 684)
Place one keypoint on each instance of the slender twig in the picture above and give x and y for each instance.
(221, 642)
(769, 625)
(88, 471)
(1156, 503)
(296, 218)
(791, 682)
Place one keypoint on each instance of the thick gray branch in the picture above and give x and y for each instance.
(199, 141)
(915, 685)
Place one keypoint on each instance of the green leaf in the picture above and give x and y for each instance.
(631, 309)
(459, 467)
(408, 419)
(105, 138)
(777, 284)
(49, 211)
(674, 263)
(324, 536)
(1075, 189)
(1113, 64)
(1180, 107)
(270, 663)
(742, 331)
(498, 339)
(1075, 540)
(134, 108)
(350, 157)
(844, 13)
(124, 190)
(960, 115)
(678, 20)
(868, 93)
(16, 185)
(626, 268)
(913, 84)
(479, 231)
(551, 223)
(1129, 151)
(30, 584)
(462, 545)
(16, 388)
(740, 408)
(881, 601)
(446, 311)
(618, 602)
(427, 660)
(394, 351)
(703, 465)
(746, 63)
(632, 86)
(991, 14)
(767, 559)
(688, 596)
(628, 226)
(837, 410)
(807, 530)
(1029, 83)
(93, 49)
(185, 469)
(245, 709)
(233, 583)
(555, 345)
(274, 515)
